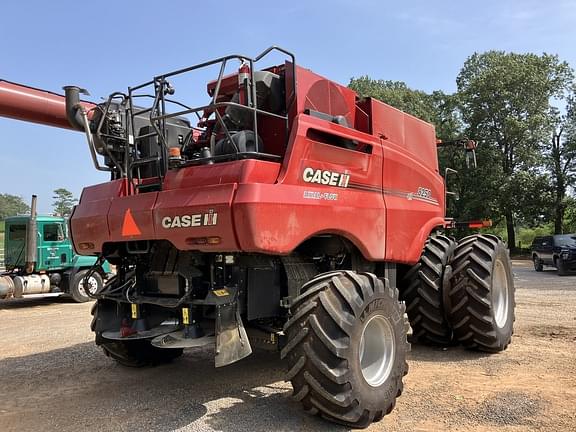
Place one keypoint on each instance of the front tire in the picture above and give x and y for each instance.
(538, 266)
(346, 347)
(482, 294)
(78, 290)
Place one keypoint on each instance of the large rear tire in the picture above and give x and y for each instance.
(133, 353)
(422, 290)
(346, 347)
(481, 300)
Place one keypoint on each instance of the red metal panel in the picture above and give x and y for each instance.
(415, 135)
(108, 190)
(278, 218)
(140, 207)
(420, 140)
(241, 171)
(319, 94)
(198, 204)
(275, 219)
(89, 222)
(414, 195)
(387, 122)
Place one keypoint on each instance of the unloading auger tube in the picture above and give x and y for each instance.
(25, 103)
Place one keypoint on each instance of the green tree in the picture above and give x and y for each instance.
(570, 215)
(506, 103)
(63, 202)
(11, 205)
(561, 162)
(396, 94)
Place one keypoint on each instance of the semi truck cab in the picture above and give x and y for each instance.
(57, 268)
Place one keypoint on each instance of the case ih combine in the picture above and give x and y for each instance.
(284, 213)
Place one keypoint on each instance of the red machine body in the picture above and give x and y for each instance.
(393, 196)
(391, 200)
(287, 213)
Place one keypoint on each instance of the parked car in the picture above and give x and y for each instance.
(556, 251)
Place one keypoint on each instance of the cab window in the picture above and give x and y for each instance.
(17, 232)
(53, 232)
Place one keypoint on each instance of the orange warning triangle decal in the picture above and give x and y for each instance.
(129, 227)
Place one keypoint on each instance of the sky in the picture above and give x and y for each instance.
(106, 46)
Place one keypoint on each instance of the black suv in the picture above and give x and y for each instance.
(557, 251)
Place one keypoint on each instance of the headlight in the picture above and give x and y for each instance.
(565, 254)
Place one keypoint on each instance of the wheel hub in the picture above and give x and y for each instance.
(377, 350)
(92, 286)
(500, 296)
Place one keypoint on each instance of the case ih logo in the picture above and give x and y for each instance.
(192, 220)
(330, 178)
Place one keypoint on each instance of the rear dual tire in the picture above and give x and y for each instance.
(462, 293)
(481, 298)
(423, 292)
(346, 347)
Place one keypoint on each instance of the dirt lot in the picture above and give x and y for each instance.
(53, 378)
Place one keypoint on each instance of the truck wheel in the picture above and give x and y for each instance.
(78, 290)
(561, 266)
(133, 353)
(423, 293)
(537, 264)
(482, 294)
(346, 347)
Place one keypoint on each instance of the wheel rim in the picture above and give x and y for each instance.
(92, 286)
(500, 300)
(377, 350)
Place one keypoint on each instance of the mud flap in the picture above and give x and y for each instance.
(232, 342)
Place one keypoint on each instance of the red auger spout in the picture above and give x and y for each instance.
(33, 105)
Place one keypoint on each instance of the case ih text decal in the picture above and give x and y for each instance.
(330, 178)
(192, 220)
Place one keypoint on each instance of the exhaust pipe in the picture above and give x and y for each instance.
(79, 119)
(74, 107)
(31, 238)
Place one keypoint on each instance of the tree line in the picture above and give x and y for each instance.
(521, 110)
(12, 205)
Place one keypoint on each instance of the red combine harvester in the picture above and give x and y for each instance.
(290, 215)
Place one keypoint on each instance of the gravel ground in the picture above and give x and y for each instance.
(52, 378)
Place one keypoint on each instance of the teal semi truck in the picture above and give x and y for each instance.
(39, 259)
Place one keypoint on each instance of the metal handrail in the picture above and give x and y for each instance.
(158, 116)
